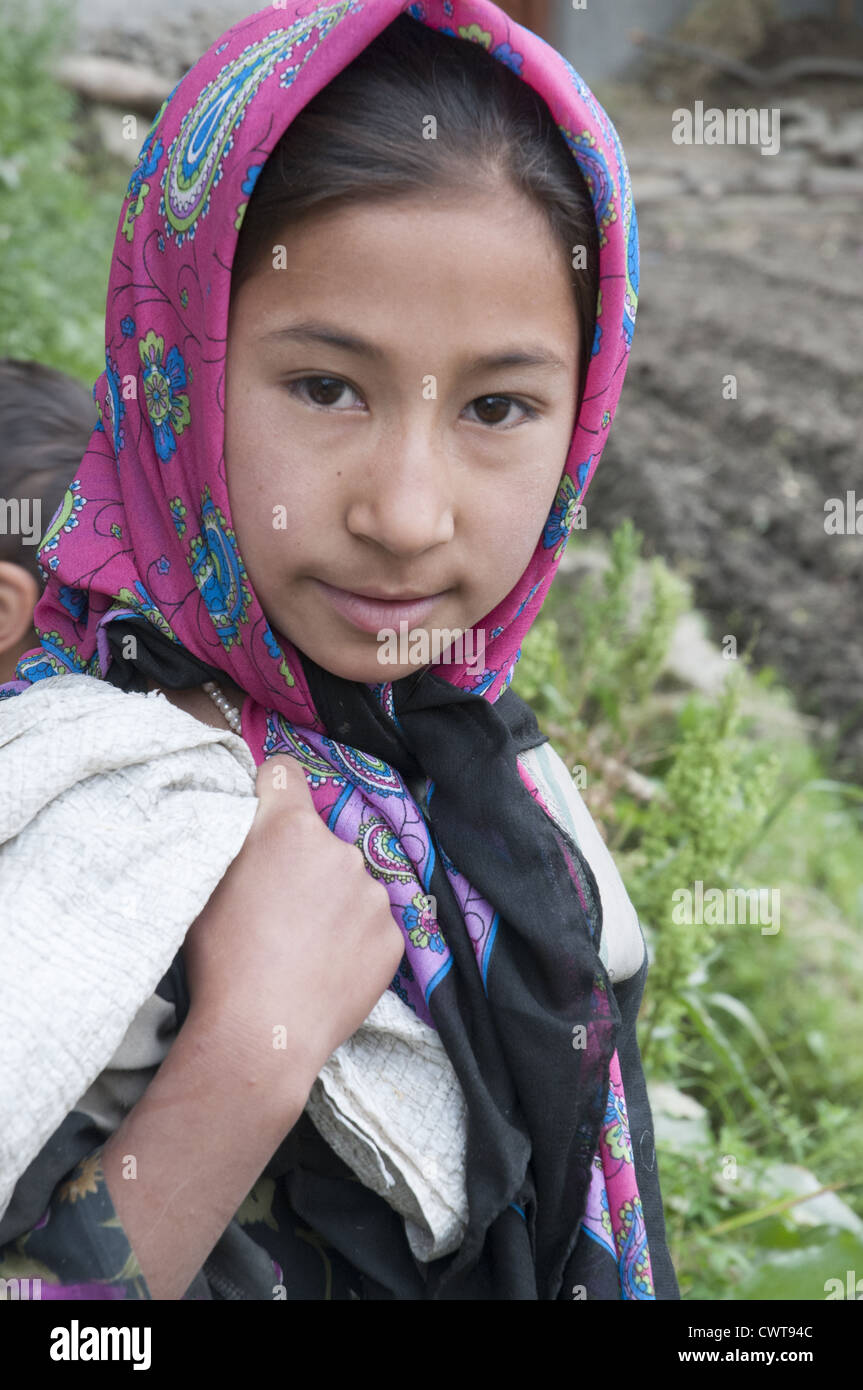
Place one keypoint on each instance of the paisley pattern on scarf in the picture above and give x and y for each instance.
(614, 1218)
(148, 510)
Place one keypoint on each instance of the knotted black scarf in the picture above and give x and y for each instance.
(535, 1096)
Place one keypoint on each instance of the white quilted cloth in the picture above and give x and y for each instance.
(119, 814)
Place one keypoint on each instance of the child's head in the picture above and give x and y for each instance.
(406, 469)
(439, 183)
(46, 419)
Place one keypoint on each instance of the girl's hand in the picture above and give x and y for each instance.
(296, 944)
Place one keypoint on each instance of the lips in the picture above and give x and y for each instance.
(373, 614)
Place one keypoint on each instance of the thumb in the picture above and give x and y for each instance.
(281, 784)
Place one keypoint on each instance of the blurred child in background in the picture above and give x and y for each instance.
(46, 419)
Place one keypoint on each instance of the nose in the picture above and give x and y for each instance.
(406, 503)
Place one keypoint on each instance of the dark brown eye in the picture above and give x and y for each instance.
(499, 404)
(481, 404)
(321, 391)
(325, 390)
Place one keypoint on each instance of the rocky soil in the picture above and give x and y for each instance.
(752, 266)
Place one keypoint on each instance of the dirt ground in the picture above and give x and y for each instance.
(752, 265)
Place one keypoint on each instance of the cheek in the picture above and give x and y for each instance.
(515, 515)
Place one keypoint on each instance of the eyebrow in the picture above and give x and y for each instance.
(310, 330)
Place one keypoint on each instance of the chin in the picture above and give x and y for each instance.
(362, 667)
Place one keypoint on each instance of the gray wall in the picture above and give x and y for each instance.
(595, 39)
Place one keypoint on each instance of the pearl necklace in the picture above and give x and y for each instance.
(231, 713)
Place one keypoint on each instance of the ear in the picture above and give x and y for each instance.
(19, 592)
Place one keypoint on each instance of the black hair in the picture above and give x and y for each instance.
(46, 420)
(360, 140)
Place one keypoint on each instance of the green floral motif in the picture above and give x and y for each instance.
(475, 33)
(178, 511)
(133, 212)
(419, 919)
(618, 1145)
(143, 604)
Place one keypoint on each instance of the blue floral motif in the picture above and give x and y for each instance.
(526, 601)
(483, 681)
(631, 302)
(561, 517)
(421, 925)
(506, 54)
(75, 601)
(218, 570)
(148, 160)
(271, 644)
(114, 405)
(40, 671)
(127, 326)
(163, 564)
(251, 178)
(167, 406)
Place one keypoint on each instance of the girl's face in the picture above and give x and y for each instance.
(379, 471)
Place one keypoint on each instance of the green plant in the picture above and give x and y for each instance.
(58, 210)
(762, 1029)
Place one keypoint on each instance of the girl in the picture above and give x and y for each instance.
(369, 313)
